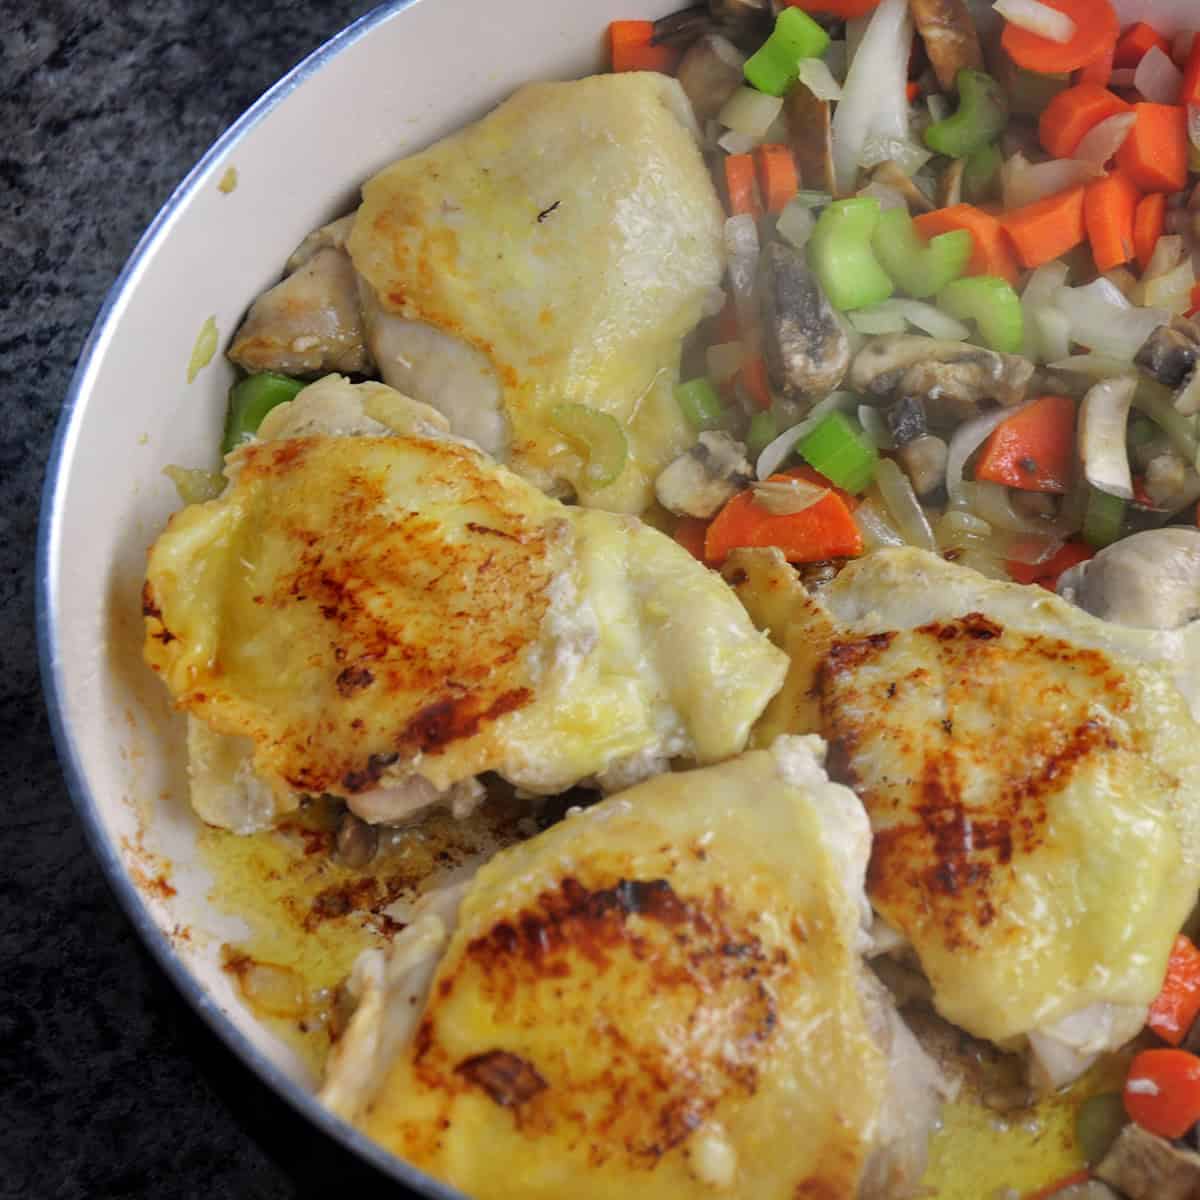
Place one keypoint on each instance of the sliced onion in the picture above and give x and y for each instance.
(786, 497)
(1157, 77)
(1033, 549)
(992, 502)
(888, 196)
(818, 78)
(1040, 289)
(957, 523)
(876, 427)
(736, 143)
(808, 198)
(1102, 141)
(877, 531)
(878, 319)
(1094, 366)
(776, 453)
(897, 494)
(1052, 328)
(1122, 278)
(1104, 321)
(874, 97)
(967, 438)
(750, 111)
(741, 250)
(1168, 254)
(1038, 18)
(1173, 290)
(795, 224)
(906, 154)
(724, 361)
(931, 320)
(1103, 418)
(1024, 182)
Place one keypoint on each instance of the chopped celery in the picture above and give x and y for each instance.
(1103, 519)
(700, 404)
(1099, 1120)
(599, 435)
(981, 116)
(764, 429)
(839, 449)
(917, 267)
(992, 304)
(250, 400)
(981, 175)
(775, 66)
(841, 257)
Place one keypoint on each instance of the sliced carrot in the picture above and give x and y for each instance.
(1162, 1091)
(912, 89)
(1148, 223)
(1193, 301)
(1109, 206)
(1096, 29)
(993, 252)
(1034, 449)
(1178, 1004)
(1072, 1180)
(689, 533)
(740, 186)
(778, 180)
(631, 48)
(1098, 71)
(836, 8)
(1073, 112)
(1155, 154)
(1046, 229)
(754, 380)
(1045, 574)
(1189, 93)
(1136, 42)
(823, 530)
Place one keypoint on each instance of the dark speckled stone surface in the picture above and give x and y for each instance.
(109, 1086)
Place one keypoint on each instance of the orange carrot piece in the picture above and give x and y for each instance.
(754, 380)
(1162, 1091)
(1148, 223)
(836, 8)
(1109, 206)
(1046, 229)
(1155, 154)
(1189, 93)
(912, 89)
(1045, 574)
(1193, 301)
(631, 48)
(740, 186)
(1073, 112)
(689, 533)
(1136, 42)
(823, 530)
(1072, 1180)
(1034, 449)
(1178, 1004)
(1096, 29)
(778, 180)
(993, 253)
(1098, 71)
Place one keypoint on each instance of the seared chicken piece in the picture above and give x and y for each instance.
(384, 617)
(1032, 782)
(662, 996)
(310, 323)
(556, 251)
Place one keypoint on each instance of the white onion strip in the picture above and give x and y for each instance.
(897, 493)
(1103, 417)
(1102, 141)
(1157, 77)
(967, 439)
(776, 453)
(1038, 18)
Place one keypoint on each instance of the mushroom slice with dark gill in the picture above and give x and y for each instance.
(709, 73)
(806, 347)
(1147, 1167)
(810, 135)
(697, 483)
(954, 379)
(950, 38)
(1170, 352)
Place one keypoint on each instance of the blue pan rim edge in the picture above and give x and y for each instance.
(299, 1098)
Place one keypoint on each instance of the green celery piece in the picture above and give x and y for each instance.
(841, 257)
(700, 404)
(775, 66)
(981, 176)
(1103, 519)
(1099, 1120)
(981, 116)
(992, 304)
(918, 267)
(599, 435)
(840, 451)
(764, 429)
(249, 402)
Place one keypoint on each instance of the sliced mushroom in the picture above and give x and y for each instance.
(806, 347)
(1146, 1167)
(906, 420)
(682, 28)
(1150, 580)
(950, 185)
(950, 38)
(709, 73)
(746, 21)
(953, 379)
(1171, 351)
(1169, 482)
(892, 175)
(924, 462)
(697, 483)
(810, 133)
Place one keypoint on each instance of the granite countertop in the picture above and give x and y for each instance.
(109, 1085)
